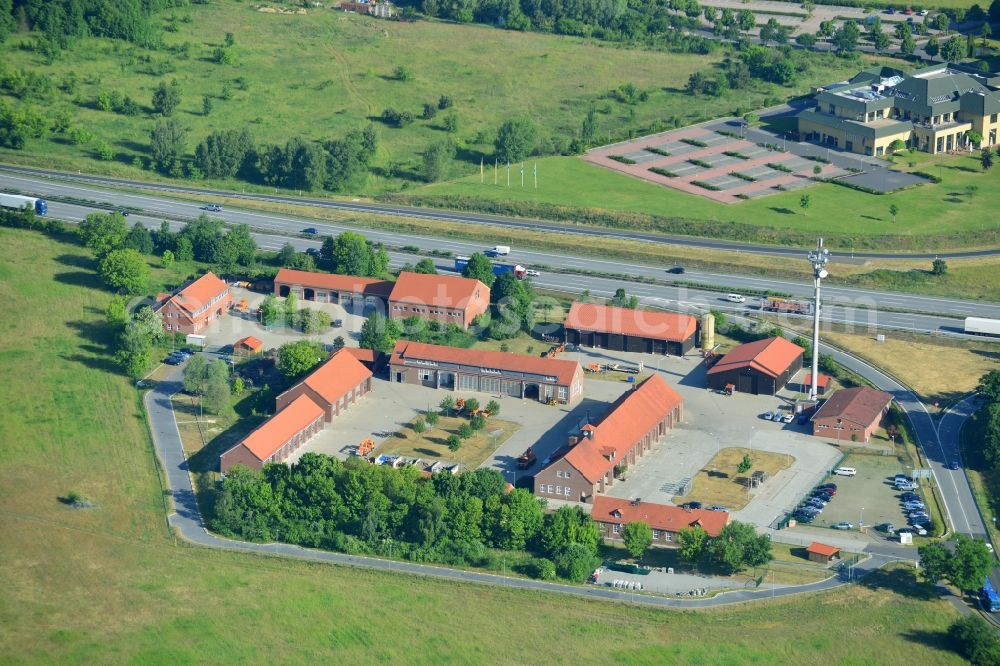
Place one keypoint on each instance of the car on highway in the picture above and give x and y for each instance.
(212, 208)
(531, 272)
(953, 464)
(922, 12)
(843, 526)
(736, 298)
(123, 212)
(845, 471)
(676, 270)
(312, 231)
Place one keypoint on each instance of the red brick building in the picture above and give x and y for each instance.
(636, 421)
(762, 367)
(499, 373)
(630, 329)
(278, 437)
(335, 385)
(851, 415)
(347, 290)
(194, 307)
(612, 514)
(444, 298)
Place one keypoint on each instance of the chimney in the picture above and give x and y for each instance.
(573, 439)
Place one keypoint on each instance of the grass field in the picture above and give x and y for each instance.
(719, 482)
(432, 444)
(111, 585)
(325, 72)
(938, 210)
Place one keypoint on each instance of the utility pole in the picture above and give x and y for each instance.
(818, 258)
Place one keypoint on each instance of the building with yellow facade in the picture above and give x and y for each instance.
(932, 110)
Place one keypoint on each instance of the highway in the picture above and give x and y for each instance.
(868, 311)
(10, 176)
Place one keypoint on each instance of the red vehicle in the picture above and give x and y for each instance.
(908, 11)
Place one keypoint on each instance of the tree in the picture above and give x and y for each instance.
(953, 50)
(939, 267)
(184, 250)
(746, 20)
(986, 159)
(124, 270)
(710, 13)
(880, 40)
(907, 45)
(447, 404)
(827, 29)
(296, 358)
(451, 123)
(116, 313)
(745, 465)
(286, 255)
(149, 323)
(806, 39)
(932, 47)
(846, 37)
(379, 333)
(493, 407)
(738, 545)
(894, 211)
(622, 300)
(804, 202)
(568, 525)
(471, 406)
(692, 542)
(934, 561)
(436, 159)
(478, 422)
(167, 143)
(134, 353)
(432, 418)
(479, 268)
(976, 640)
(637, 537)
(103, 232)
(222, 154)
(769, 31)
(139, 239)
(425, 266)
(206, 105)
(350, 254)
(454, 442)
(969, 564)
(419, 425)
(464, 431)
(515, 139)
(576, 562)
(194, 374)
(166, 98)
(989, 385)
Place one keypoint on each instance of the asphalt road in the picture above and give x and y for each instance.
(38, 176)
(869, 311)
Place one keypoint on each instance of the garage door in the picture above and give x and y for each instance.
(512, 389)
(746, 384)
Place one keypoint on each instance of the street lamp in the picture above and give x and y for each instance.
(861, 521)
(818, 258)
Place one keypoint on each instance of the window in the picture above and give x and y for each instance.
(993, 118)
(616, 528)
(425, 375)
(550, 489)
(656, 535)
(558, 490)
(562, 392)
(668, 536)
(169, 327)
(568, 474)
(559, 474)
(566, 491)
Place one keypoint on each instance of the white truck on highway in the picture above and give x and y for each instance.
(981, 326)
(19, 202)
(498, 251)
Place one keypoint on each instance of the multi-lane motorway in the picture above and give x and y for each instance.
(867, 310)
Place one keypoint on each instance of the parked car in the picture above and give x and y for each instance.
(337, 323)
(716, 507)
(914, 506)
(816, 502)
(803, 518)
(906, 486)
(767, 416)
(831, 486)
(843, 526)
(173, 360)
(912, 530)
(845, 471)
(692, 505)
(788, 418)
(922, 12)
(888, 528)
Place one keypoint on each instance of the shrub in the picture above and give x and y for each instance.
(432, 418)
(419, 426)
(695, 142)
(742, 176)
(620, 158)
(777, 166)
(663, 172)
(707, 186)
(658, 151)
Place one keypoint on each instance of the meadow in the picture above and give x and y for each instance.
(111, 584)
(324, 72)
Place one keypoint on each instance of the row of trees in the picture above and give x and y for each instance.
(738, 546)
(989, 417)
(135, 336)
(356, 507)
(209, 380)
(965, 567)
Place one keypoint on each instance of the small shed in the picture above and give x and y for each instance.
(247, 346)
(822, 383)
(822, 553)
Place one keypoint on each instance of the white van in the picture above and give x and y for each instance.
(845, 471)
(499, 251)
(736, 298)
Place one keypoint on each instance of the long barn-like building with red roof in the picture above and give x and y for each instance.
(630, 329)
(636, 421)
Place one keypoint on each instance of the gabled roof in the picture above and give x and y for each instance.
(274, 432)
(861, 405)
(658, 516)
(822, 549)
(198, 294)
(336, 376)
(561, 370)
(634, 322)
(604, 444)
(352, 283)
(446, 291)
(250, 342)
(821, 379)
(363, 355)
(772, 356)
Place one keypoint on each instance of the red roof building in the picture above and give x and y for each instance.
(851, 415)
(195, 306)
(347, 290)
(636, 421)
(762, 367)
(628, 329)
(247, 346)
(276, 438)
(444, 298)
(822, 553)
(822, 383)
(612, 514)
(335, 385)
(498, 373)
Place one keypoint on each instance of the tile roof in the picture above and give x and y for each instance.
(446, 291)
(822, 549)
(638, 323)
(363, 355)
(360, 285)
(862, 405)
(274, 432)
(562, 370)
(821, 379)
(632, 416)
(772, 356)
(336, 376)
(658, 516)
(198, 294)
(249, 341)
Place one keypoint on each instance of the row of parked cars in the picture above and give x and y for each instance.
(815, 503)
(913, 506)
(177, 357)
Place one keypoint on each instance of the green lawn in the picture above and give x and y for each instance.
(111, 585)
(325, 72)
(945, 213)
